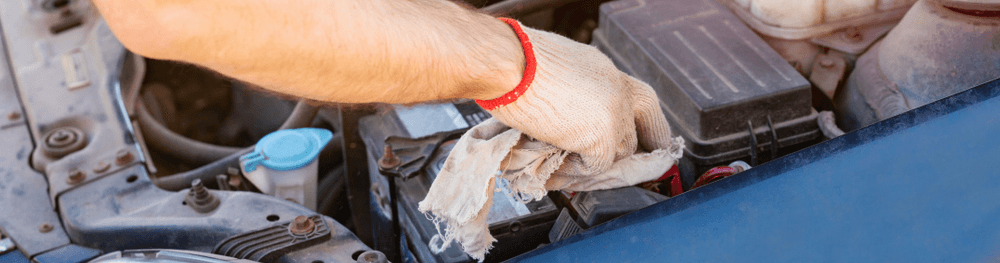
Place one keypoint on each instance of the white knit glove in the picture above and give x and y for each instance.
(578, 101)
(575, 123)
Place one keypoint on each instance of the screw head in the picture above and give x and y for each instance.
(123, 157)
(300, 221)
(101, 167)
(75, 177)
(14, 116)
(45, 228)
(235, 182)
(302, 225)
(61, 138)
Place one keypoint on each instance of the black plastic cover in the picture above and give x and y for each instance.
(711, 73)
(564, 227)
(596, 207)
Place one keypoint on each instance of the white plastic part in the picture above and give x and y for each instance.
(801, 19)
(297, 185)
(788, 13)
(841, 9)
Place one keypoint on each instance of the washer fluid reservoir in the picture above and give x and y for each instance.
(283, 164)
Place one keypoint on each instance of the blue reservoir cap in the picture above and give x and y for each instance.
(286, 150)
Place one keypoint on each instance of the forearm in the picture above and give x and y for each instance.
(342, 51)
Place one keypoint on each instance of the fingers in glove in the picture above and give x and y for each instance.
(651, 125)
(632, 170)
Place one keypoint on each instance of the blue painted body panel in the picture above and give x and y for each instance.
(68, 254)
(14, 257)
(922, 186)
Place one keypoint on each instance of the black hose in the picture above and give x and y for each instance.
(183, 148)
(301, 116)
(331, 189)
(189, 150)
(178, 181)
(207, 173)
(516, 8)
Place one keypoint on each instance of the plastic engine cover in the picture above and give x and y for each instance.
(713, 75)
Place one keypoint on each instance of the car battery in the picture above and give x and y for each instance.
(518, 227)
(721, 87)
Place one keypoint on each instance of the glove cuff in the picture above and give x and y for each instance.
(529, 70)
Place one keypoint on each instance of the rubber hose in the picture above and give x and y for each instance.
(186, 149)
(189, 150)
(516, 8)
(179, 181)
(301, 116)
(207, 173)
(333, 185)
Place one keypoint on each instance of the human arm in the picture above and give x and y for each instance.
(605, 128)
(350, 51)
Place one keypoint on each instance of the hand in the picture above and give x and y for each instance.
(576, 100)
(577, 124)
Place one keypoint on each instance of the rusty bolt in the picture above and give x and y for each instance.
(101, 167)
(123, 157)
(826, 63)
(302, 225)
(235, 182)
(389, 159)
(14, 116)
(45, 228)
(75, 177)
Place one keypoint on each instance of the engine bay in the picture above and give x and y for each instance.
(112, 157)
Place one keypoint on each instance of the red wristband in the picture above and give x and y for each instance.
(529, 70)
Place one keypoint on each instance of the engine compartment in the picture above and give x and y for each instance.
(111, 156)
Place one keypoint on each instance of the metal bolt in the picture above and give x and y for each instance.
(200, 199)
(101, 167)
(235, 182)
(62, 141)
(826, 63)
(302, 225)
(373, 256)
(388, 152)
(61, 135)
(61, 138)
(75, 177)
(389, 159)
(234, 179)
(45, 228)
(198, 189)
(123, 157)
(300, 221)
(14, 116)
